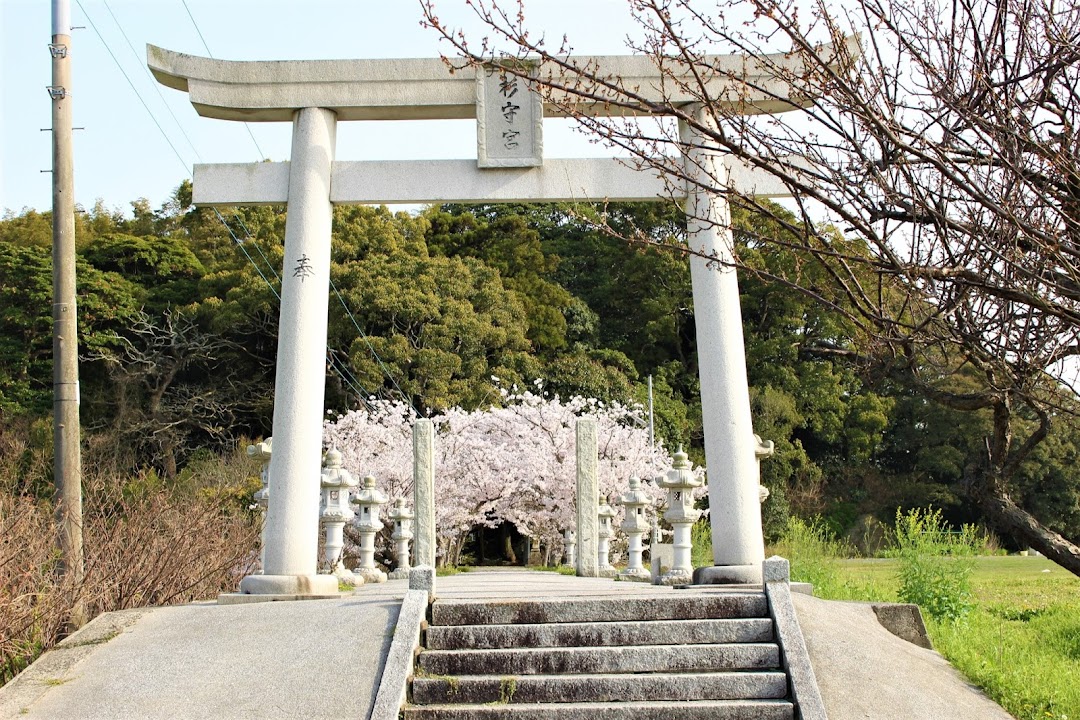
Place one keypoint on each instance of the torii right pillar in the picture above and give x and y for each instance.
(735, 510)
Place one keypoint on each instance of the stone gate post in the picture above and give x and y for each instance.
(292, 518)
(737, 543)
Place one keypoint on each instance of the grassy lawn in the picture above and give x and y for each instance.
(1021, 643)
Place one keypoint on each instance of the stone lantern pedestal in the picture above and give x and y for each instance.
(570, 548)
(680, 483)
(605, 514)
(262, 451)
(635, 525)
(337, 483)
(368, 501)
(402, 518)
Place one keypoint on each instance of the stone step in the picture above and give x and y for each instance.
(694, 710)
(659, 632)
(622, 659)
(598, 688)
(584, 610)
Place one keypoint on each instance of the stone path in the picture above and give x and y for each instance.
(323, 658)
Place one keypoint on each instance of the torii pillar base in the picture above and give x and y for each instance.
(727, 575)
(289, 585)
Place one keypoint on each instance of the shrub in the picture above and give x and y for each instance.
(814, 553)
(935, 563)
(701, 554)
(153, 548)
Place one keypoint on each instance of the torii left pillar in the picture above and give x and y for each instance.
(292, 519)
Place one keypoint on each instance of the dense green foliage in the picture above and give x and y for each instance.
(178, 325)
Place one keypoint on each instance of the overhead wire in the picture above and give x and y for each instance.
(168, 140)
(341, 299)
(262, 156)
(129, 82)
(153, 83)
(367, 341)
(350, 380)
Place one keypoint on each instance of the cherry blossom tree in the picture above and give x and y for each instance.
(511, 463)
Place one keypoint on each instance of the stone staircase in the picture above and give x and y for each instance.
(680, 655)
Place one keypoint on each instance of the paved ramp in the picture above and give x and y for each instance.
(317, 659)
(323, 658)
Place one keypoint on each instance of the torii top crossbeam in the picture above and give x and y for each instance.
(425, 89)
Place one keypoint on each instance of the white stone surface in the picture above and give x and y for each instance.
(680, 484)
(368, 501)
(424, 491)
(605, 515)
(393, 182)
(635, 524)
(403, 519)
(509, 121)
(570, 547)
(227, 184)
(735, 511)
(438, 181)
(337, 484)
(412, 89)
(588, 497)
(262, 451)
(292, 518)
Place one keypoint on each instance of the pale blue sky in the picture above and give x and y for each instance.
(121, 155)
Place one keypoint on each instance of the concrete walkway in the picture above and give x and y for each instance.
(323, 658)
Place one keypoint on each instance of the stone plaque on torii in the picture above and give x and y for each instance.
(314, 95)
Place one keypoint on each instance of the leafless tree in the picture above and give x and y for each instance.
(155, 411)
(931, 150)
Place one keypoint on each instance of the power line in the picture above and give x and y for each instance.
(353, 383)
(197, 30)
(240, 244)
(153, 82)
(133, 88)
(382, 365)
(262, 155)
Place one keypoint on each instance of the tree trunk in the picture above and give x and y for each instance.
(508, 545)
(1008, 517)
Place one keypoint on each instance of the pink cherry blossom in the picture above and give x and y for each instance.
(514, 462)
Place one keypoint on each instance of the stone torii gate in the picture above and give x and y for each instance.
(314, 96)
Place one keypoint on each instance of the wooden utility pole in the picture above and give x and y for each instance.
(67, 463)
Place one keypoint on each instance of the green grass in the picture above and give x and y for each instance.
(451, 570)
(1020, 642)
(560, 569)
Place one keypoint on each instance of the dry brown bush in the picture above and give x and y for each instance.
(143, 547)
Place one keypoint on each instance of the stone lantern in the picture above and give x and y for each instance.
(368, 501)
(605, 514)
(402, 517)
(262, 451)
(762, 450)
(635, 525)
(336, 484)
(680, 483)
(570, 545)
